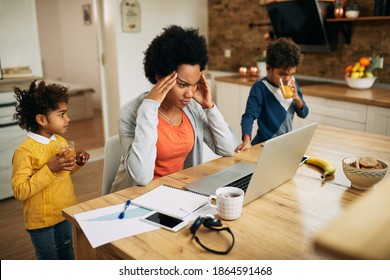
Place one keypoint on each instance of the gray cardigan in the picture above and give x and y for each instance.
(138, 138)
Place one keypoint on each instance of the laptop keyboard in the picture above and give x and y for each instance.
(241, 183)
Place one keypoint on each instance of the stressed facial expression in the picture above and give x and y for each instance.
(274, 74)
(187, 83)
(57, 121)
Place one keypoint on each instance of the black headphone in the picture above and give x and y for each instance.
(210, 222)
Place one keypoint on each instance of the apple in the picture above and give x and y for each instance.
(369, 74)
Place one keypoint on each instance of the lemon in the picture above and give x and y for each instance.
(356, 67)
(355, 75)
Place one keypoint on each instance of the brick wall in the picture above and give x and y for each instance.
(228, 29)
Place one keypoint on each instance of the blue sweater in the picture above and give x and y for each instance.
(274, 114)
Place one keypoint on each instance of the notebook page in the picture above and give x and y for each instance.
(171, 201)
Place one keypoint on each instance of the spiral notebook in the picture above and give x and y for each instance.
(171, 201)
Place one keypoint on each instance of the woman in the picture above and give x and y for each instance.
(162, 131)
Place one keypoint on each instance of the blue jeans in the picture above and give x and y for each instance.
(53, 243)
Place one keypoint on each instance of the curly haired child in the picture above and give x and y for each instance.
(41, 173)
(266, 104)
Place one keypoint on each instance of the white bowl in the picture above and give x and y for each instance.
(360, 83)
(352, 14)
(363, 179)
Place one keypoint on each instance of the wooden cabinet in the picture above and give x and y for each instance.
(373, 119)
(231, 101)
(11, 136)
(337, 113)
(378, 120)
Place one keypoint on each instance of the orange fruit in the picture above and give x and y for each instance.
(348, 68)
(364, 61)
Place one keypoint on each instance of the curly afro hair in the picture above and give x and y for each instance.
(283, 53)
(173, 47)
(38, 99)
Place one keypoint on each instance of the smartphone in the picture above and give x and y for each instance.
(164, 221)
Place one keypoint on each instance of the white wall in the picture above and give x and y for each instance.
(19, 41)
(68, 46)
(155, 15)
(51, 39)
(124, 52)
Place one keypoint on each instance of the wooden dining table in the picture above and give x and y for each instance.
(285, 223)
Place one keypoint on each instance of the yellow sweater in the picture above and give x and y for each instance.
(44, 194)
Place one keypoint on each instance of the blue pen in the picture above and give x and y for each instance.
(122, 214)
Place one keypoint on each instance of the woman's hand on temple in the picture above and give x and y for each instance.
(163, 86)
(203, 94)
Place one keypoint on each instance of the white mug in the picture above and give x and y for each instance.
(228, 201)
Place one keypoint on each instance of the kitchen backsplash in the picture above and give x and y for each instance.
(228, 30)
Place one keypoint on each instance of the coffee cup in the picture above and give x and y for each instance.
(286, 88)
(228, 202)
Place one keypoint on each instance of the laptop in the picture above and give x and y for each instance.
(278, 162)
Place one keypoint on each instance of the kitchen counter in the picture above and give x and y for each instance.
(329, 102)
(373, 96)
(246, 81)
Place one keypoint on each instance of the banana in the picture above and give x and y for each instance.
(327, 167)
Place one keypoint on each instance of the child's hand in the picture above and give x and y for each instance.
(61, 162)
(246, 144)
(81, 157)
(297, 100)
(243, 146)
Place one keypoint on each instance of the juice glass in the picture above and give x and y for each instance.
(62, 147)
(286, 88)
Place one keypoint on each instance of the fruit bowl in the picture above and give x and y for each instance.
(360, 83)
(363, 179)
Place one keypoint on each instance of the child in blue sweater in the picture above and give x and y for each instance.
(266, 104)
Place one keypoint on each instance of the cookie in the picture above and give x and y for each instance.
(368, 162)
(355, 164)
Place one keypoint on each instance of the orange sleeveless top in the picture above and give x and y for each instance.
(173, 145)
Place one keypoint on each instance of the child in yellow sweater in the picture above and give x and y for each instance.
(41, 173)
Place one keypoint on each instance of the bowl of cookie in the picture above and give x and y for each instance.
(364, 172)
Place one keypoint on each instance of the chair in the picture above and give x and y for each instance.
(112, 159)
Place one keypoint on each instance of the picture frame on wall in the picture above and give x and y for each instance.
(130, 16)
(87, 14)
